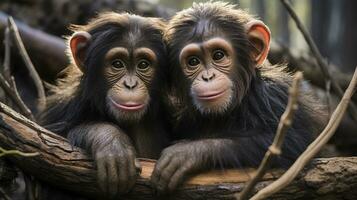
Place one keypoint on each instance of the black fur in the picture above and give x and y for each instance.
(78, 108)
(261, 93)
(80, 98)
(239, 136)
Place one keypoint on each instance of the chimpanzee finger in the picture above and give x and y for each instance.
(166, 174)
(178, 177)
(123, 174)
(112, 181)
(102, 174)
(132, 172)
(160, 164)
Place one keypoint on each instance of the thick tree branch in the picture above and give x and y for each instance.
(67, 167)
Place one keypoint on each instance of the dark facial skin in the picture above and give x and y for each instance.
(111, 108)
(229, 103)
(207, 65)
(128, 96)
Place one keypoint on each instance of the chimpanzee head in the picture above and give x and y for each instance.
(120, 56)
(215, 50)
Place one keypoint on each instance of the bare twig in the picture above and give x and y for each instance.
(314, 147)
(3, 194)
(320, 60)
(6, 64)
(14, 96)
(4, 152)
(33, 73)
(275, 149)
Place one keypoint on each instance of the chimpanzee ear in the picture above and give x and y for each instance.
(259, 36)
(78, 44)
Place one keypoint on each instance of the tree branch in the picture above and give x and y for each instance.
(320, 60)
(6, 63)
(67, 167)
(4, 152)
(14, 96)
(275, 149)
(314, 147)
(33, 73)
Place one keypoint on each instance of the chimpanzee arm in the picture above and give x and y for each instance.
(186, 157)
(113, 153)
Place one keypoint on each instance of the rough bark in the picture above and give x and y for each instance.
(67, 167)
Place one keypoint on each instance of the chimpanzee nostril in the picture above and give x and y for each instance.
(130, 84)
(208, 76)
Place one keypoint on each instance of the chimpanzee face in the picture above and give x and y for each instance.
(208, 65)
(129, 73)
(215, 56)
(121, 58)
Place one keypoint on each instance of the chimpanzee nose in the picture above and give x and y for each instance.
(130, 83)
(208, 75)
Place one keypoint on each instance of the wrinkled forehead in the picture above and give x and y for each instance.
(130, 38)
(197, 32)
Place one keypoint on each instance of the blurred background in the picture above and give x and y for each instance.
(332, 24)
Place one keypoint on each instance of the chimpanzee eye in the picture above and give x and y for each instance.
(143, 64)
(118, 64)
(218, 55)
(193, 61)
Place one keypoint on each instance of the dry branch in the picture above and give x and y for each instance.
(46, 49)
(7, 44)
(14, 96)
(275, 149)
(320, 60)
(69, 168)
(303, 61)
(314, 147)
(26, 58)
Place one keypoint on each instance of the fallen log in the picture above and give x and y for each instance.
(67, 167)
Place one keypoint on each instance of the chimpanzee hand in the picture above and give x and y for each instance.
(116, 167)
(175, 163)
(113, 153)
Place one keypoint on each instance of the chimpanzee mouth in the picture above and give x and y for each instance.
(128, 106)
(211, 95)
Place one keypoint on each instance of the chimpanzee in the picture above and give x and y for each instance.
(109, 101)
(230, 100)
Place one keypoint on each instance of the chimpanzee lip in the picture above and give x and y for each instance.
(211, 95)
(128, 106)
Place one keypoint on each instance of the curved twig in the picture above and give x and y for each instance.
(314, 147)
(4, 152)
(320, 60)
(33, 73)
(14, 96)
(275, 149)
